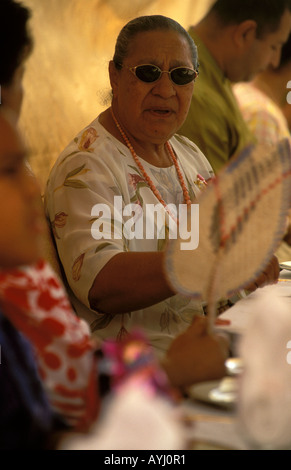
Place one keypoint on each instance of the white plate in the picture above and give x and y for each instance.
(219, 392)
(234, 366)
(286, 265)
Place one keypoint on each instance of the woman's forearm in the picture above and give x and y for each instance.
(130, 281)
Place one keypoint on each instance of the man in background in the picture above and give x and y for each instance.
(235, 40)
(263, 100)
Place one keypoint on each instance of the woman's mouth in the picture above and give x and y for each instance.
(161, 112)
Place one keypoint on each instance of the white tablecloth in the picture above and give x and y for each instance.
(217, 427)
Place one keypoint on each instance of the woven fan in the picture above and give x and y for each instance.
(242, 219)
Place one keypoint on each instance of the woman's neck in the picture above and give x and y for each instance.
(155, 154)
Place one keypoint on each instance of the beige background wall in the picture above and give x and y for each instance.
(66, 82)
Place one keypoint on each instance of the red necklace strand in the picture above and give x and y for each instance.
(187, 199)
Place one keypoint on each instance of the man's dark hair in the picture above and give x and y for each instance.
(266, 13)
(15, 39)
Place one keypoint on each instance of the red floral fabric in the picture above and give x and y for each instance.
(34, 300)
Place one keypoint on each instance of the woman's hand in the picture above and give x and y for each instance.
(196, 356)
(270, 275)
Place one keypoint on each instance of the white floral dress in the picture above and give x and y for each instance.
(96, 169)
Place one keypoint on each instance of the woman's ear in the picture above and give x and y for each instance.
(113, 76)
(245, 33)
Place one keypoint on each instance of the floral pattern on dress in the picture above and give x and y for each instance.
(71, 182)
(167, 182)
(88, 138)
(136, 181)
(59, 221)
(77, 267)
(170, 316)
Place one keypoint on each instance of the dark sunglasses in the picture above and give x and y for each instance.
(151, 73)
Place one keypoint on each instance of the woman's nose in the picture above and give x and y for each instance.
(164, 86)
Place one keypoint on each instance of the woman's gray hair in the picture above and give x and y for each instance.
(149, 23)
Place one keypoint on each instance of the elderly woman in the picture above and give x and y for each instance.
(124, 163)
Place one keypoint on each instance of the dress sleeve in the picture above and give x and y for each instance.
(79, 188)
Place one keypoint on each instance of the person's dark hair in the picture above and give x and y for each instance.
(15, 40)
(266, 13)
(149, 23)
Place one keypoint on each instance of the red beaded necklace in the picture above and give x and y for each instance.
(187, 199)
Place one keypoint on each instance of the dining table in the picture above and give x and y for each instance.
(208, 412)
(214, 420)
(212, 427)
